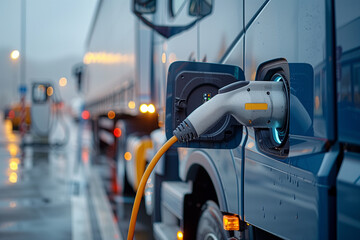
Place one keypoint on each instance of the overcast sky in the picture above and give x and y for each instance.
(56, 31)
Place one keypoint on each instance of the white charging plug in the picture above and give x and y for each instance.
(258, 104)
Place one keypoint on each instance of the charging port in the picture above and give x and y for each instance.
(274, 141)
(192, 84)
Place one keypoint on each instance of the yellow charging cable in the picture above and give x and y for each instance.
(142, 184)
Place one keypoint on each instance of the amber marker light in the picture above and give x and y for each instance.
(127, 156)
(179, 235)
(50, 91)
(131, 104)
(143, 108)
(111, 114)
(231, 223)
(151, 108)
(163, 58)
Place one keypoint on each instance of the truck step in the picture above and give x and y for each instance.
(172, 196)
(163, 231)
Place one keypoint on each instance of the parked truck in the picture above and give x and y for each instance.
(117, 94)
(300, 181)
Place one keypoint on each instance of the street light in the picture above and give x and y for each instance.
(14, 55)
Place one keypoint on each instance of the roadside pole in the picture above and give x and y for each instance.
(22, 88)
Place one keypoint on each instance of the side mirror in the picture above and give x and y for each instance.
(191, 84)
(78, 72)
(144, 6)
(200, 8)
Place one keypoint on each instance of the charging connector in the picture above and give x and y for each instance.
(253, 104)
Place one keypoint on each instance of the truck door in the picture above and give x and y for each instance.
(221, 40)
(287, 186)
(220, 34)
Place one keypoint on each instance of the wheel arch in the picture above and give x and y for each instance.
(199, 161)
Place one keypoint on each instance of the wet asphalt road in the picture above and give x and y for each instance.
(34, 191)
(61, 192)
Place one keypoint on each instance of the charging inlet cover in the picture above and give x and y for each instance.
(189, 85)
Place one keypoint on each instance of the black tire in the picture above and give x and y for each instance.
(210, 223)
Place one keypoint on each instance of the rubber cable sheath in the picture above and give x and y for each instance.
(142, 184)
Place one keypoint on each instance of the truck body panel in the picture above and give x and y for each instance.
(347, 25)
(289, 191)
(348, 70)
(110, 56)
(118, 46)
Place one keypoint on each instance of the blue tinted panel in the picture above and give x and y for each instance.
(301, 99)
(348, 69)
(299, 34)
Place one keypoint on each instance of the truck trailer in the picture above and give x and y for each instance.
(114, 88)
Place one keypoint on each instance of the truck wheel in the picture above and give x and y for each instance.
(210, 224)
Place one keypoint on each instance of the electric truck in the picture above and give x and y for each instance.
(299, 180)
